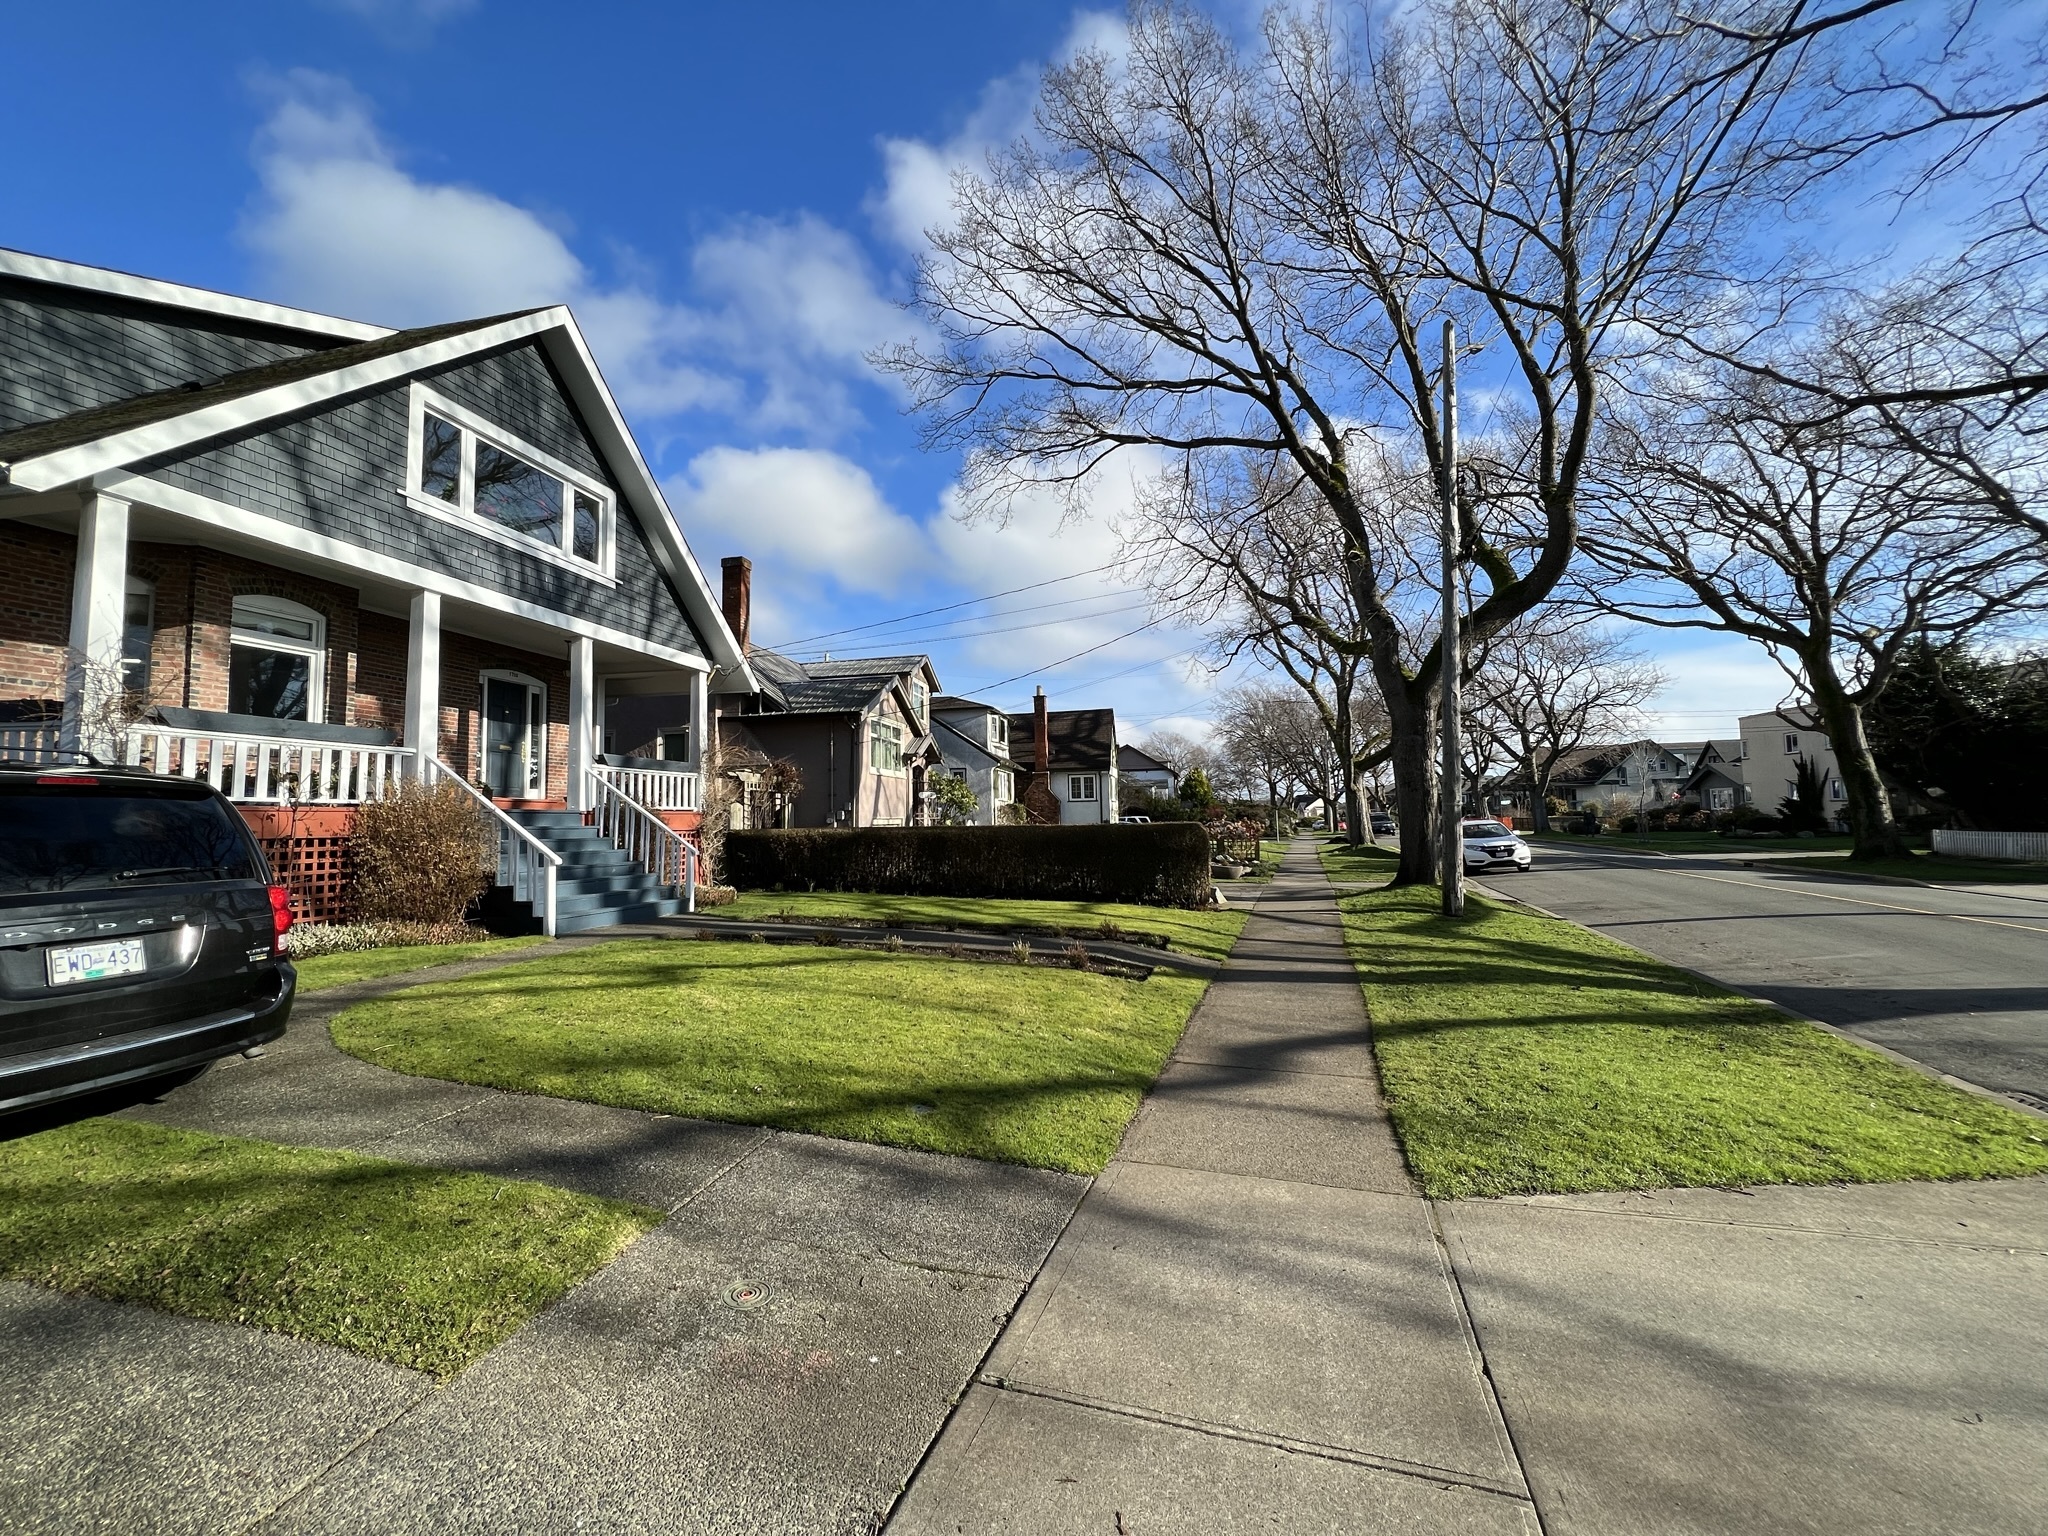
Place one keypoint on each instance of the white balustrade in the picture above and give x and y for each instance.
(271, 770)
(644, 837)
(658, 789)
(525, 863)
(29, 742)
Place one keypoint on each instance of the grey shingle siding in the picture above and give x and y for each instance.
(67, 351)
(340, 471)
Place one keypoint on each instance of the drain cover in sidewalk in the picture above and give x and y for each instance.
(746, 1295)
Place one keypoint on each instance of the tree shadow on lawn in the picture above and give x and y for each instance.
(421, 1267)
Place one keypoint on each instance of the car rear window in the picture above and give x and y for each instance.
(70, 837)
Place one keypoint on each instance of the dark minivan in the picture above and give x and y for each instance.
(141, 936)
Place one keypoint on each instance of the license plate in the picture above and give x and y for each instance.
(95, 962)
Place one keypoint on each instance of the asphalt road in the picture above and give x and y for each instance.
(1956, 979)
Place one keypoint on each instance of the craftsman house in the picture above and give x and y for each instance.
(1081, 765)
(306, 559)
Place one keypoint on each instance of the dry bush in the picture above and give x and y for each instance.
(422, 856)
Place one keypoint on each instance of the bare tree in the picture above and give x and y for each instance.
(1205, 251)
(1552, 684)
(1727, 508)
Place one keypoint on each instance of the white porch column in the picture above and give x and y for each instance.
(582, 719)
(701, 744)
(423, 680)
(99, 594)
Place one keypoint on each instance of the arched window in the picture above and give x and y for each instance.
(277, 660)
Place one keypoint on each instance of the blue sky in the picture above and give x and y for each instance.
(728, 196)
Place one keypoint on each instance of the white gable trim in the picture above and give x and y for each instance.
(556, 330)
(345, 558)
(149, 290)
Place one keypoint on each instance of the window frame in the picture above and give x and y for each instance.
(138, 586)
(314, 650)
(462, 512)
(1791, 743)
(895, 740)
(1081, 788)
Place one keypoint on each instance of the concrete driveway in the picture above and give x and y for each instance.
(1956, 979)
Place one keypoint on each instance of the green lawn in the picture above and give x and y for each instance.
(1928, 866)
(323, 971)
(1021, 1064)
(1523, 1055)
(1207, 933)
(419, 1267)
(1368, 861)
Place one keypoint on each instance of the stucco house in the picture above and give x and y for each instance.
(309, 558)
(1774, 743)
(973, 741)
(1082, 762)
(1139, 769)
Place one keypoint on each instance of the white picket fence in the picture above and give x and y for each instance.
(2022, 847)
(268, 770)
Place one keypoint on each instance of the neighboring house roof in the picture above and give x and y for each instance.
(947, 701)
(957, 747)
(1081, 740)
(845, 686)
(98, 443)
(1131, 759)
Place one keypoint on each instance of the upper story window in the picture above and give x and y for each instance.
(520, 494)
(277, 658)
(998, 732)
(885, 746)
(920, 701)
(1080, 786)
(1792, 743)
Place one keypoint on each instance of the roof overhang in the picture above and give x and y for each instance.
(150, 290)
(554, 330)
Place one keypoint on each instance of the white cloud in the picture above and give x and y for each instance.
(403, 22)
(917, 188)
(789, 308)
(801, 514)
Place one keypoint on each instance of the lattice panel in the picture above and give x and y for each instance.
(318, 870)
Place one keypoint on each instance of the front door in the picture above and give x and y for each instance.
(514, 730)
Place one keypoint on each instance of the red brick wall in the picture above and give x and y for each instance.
(463, 662)
(35, 610)
(381, 643)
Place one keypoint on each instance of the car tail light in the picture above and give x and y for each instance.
(280, 914)
(64, 778)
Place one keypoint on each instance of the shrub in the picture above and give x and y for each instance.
(305, 940)
(1164, 864)
(422, 856)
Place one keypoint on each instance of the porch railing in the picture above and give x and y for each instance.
(525, 863)
(644, 838)
(658, 789)
(269, 770)
(29, 742)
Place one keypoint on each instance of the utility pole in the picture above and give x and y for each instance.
(1451, 792)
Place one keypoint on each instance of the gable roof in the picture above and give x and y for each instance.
(1130, 759)
(148, 426)
(153, 290)
(844, 686)
(1081, 740)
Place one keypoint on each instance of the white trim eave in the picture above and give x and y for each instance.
(347, 558)
(150, 290)
(586, 385)
(66, 466)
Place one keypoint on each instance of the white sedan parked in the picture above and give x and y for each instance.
(1490, 845)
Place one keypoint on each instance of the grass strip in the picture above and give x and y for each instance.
(1018, 1064)
(1367, 861)
(1523, 1055)
(419, 1267)
(321, 972)
(1207, 933)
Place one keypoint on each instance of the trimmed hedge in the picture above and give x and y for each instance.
(1165, 864)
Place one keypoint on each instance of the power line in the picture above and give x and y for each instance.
(937, 637)
(942, 608)
(1036, 671)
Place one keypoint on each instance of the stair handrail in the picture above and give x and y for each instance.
(643, 837)
(525, 863)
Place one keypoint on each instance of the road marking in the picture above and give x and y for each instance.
(1856, 901)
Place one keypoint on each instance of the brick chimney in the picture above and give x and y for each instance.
(1041, 805)
(739, 597)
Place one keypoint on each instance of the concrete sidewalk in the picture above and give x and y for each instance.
(645, 1400)
(1250, 1323)
(1254, 1322)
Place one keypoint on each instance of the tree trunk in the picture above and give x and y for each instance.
(1539, 796)
(1412, 757)
(1868, 809)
